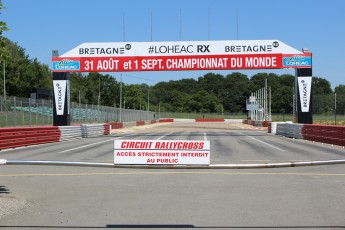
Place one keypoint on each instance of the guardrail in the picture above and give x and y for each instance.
(21, 136)
(329, 134)
(290, 130)
(70, 133)
(26, 136)
(95, 130)
(211, 166)
(209, 120)
(166, 120)
(140, 123)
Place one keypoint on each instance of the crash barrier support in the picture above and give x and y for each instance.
(209, 120)
(25, 136)
(211, 166)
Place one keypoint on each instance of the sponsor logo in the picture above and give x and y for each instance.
(66, 64)
(252, 48)
(107, 50)
(297, 60)
(304, 84)
(59, 94)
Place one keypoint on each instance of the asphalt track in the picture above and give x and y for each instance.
(57, 197)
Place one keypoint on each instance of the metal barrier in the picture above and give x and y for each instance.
(329, 134)
(18, 137)
(94, 130)
(70, 132)
(212, 166)
(26, 136)
(290, 130)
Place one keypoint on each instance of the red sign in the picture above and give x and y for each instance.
(168, 63)
(179, 152)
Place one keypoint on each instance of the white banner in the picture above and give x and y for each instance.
(167, 152)
(180, 48)
(59, 95)
(304, 86)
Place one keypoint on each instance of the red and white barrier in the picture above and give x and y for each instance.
(26, 136)
(209, 120)
(329, 134)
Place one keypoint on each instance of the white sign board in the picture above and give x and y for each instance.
(173, 48)
(304, 86)
(167, 152)
(180, 55)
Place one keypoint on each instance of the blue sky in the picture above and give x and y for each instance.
(41, 26)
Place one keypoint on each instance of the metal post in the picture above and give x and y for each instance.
(23, 114)
(335, 108)
(14, 112)
(99, 96)
(4, 81)
(120, 98)
(266, 110)
(159, 110)
(148, 99)
(270, 104)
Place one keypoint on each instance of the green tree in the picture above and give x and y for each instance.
(321, 86)
(234, 92)
(340, 89)
(203, 102)
(4, 52)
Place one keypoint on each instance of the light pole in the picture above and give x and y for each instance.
(99, 95)
(4, 81)
(148, 99)
(335, 108)
(121, 98)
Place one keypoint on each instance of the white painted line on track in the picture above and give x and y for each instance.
(84, 146)
(159, 138)
(272, 146)
(205, 137)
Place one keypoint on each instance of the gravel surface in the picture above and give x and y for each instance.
(10, 205)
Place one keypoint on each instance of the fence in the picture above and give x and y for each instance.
(27, 112)
(14, 111)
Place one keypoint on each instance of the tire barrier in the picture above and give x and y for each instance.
(26, 136)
